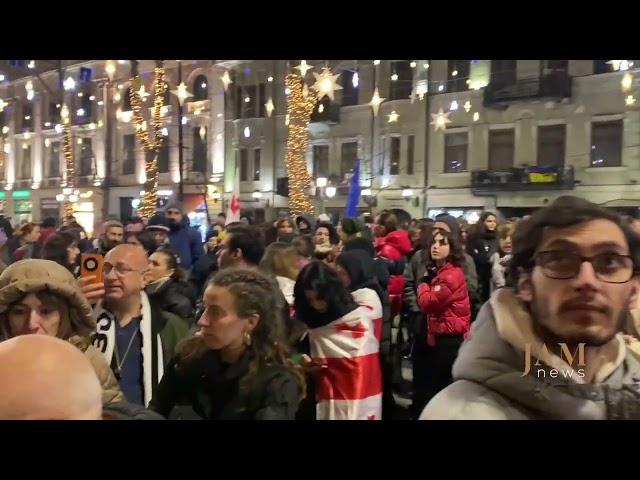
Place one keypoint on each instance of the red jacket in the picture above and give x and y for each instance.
(446, 302)
(395, 246)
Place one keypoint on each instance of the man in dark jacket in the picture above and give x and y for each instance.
(184, 240)
(306, 225)
(113, 235)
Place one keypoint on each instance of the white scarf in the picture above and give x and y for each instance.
(105, 337)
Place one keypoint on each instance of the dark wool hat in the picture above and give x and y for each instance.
(453, 223)
(351, 226)
(175, 204)
(158, 222)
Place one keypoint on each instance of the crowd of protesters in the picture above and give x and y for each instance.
(310, 318)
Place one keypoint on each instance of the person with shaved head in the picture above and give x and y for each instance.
(136, 337)
(46, 378)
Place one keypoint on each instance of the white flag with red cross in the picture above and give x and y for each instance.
(233, 212)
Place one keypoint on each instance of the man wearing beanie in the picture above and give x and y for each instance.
(184, 240)
(159, 227)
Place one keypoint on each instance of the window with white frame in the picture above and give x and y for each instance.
(349, 155)
(85, 156)
(24, 160)
(199, 150)
(551, 145)
(606, 143)
(53, 156)
(320, 161)
(129, 154)
(411, 152)
(456, 149)
(243, 164)
(501, 150)
(163, 156)
(256, 164)
(394, 155)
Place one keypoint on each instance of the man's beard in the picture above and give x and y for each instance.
(550, 337)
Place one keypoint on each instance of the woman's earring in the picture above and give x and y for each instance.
(247, 339)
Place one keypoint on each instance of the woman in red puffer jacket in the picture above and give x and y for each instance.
(393, 245)
(443, 297)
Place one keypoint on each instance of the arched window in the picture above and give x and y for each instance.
(200, 88)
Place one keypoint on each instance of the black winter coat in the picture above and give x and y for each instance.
(481, 248)
(176, 298)
(206, 266)
(212, 389)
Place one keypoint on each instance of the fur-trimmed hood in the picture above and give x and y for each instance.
(489, 381)
(30, 276)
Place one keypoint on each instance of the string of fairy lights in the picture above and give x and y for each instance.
(151, 141)
(301, 103)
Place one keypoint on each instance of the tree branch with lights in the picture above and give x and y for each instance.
(151, 140)
(299, 110)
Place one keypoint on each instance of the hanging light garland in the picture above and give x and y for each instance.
(299, 109)
(152, 138)
(69, 167)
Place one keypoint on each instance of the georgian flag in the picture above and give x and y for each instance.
(233, 212)
(350, 387)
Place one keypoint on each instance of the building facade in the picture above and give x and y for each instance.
(461, 135)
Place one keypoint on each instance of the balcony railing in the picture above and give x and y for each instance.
(546, 86)
(523, 179)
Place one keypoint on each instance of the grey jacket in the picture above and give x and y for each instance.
(489, 383)
(414, 271)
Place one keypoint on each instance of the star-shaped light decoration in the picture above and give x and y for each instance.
(182, 93)
(2, 104)
(440, 120)
(630, 100)
(226, 80)
(326, 83)
(393, 117)
(142, 93)
(375, 102)
(269, 107)
(467, 106)
(303, 67)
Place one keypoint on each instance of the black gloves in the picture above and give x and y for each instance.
(429, 274)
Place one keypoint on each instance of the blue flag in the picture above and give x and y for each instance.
(351, 209)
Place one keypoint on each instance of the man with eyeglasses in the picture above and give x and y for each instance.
(553, 346)
(135, 336)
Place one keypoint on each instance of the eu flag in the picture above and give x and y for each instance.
(351, 209)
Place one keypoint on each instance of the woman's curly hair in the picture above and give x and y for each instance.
(254, 294)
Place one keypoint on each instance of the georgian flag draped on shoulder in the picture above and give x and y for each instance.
(369, 299)
(233, 212)
(350, 388)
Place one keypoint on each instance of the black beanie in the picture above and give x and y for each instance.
(454, 226)
(350, 226)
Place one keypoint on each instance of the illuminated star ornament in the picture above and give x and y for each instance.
(226, 80)
(142, 93)
(375, 102)
(467, 106)
(182, 93)
(269, 107)
(2, 104)
(393, 117)
(630, 100)
(326, 83)
(303, 67)
(440, 120)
